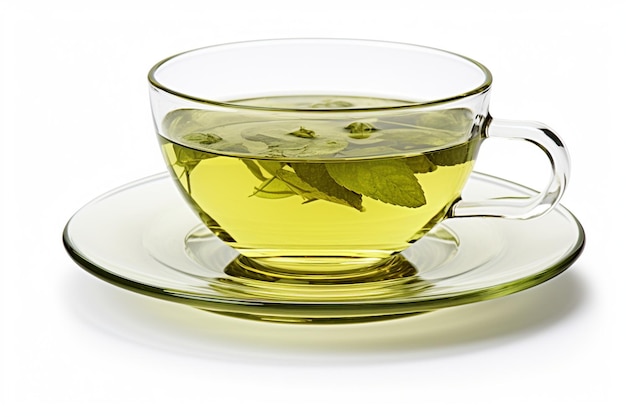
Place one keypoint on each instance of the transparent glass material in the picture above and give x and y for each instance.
(323, 159)
(143, 238)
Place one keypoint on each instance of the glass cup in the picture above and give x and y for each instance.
(324, 158)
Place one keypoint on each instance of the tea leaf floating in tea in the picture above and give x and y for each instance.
(360, 130)
(317, 175)
(310, 181)
(274, 188)
(390, 181)
(188, 158)
(254, 168)
(303, 133)
(331, 103)
(283, 141)
(420, 164)
(310, 193)
(202, 138)
(455, 155)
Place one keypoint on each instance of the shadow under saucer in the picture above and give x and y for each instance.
(178, 329)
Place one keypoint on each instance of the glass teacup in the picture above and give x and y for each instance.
(324, 158)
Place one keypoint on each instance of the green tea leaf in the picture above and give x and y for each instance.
(363, 151)
(254, 168)
(309, 192)
(360, 130)
(213, 142)
(317, 176)
(274, 188)
(303, 133)
(454, 155)
(202, 138)
(271, 166)
(285, 142)
(331, 103)
(390, 181)
(420, 164)
(189, 158)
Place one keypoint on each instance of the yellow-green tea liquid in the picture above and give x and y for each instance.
(237, 197)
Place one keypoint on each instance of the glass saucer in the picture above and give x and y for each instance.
(143, 237)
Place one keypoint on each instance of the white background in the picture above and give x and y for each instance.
(76, 123)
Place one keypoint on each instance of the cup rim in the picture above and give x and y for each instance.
(483, 87)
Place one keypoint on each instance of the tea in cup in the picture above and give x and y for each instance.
(321, 158)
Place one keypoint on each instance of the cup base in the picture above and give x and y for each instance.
(318, 279)
(391, 278)
(316, 270)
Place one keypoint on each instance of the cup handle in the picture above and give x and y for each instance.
(519, 207)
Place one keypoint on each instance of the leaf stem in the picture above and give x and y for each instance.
(188, 181)
(262, 187)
